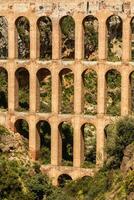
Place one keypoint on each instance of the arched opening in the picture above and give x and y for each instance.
(108, 136)
(22, 38)
(22, 89)
(63, 180)
(66, 143)
(44, 131)
(114, 38)
(44, 90)
(3, 38)
(131, 96)
(66, 77)
(89, 92)
(45, 38)
(3, 89)
(67, 26)
(21, 126)
(113, 92)
(88, 145)
(90, 26)
(132, 39)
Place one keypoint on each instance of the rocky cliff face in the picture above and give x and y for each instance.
(15, 147)
(128, 159)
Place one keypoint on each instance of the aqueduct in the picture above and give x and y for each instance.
(52, 61)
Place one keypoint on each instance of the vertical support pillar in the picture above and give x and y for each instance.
(126, 40)
(102, 46)
(55, 88)
(34, 139)
(12, 93)
(11, 39)
(55, 146)
(55, 39)
(32, 87)
(33, 40)
(78, 36)
(100, 154)
(77, 151)
(101, 91)
(124, 91)
(77, 88)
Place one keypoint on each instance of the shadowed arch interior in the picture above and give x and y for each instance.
(90, 26)
(22, 89)
(22, 38)
(88, 145)
(66, 96)
(114, 38)
(44, 24)
(113, 92)
(67, 27)
(3, 38)
(66, 143)
(44, 90)
(3, 89)
(44, 131)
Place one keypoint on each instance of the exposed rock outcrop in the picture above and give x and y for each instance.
(128, 159)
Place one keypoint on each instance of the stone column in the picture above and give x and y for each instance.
(55, 89)
(77, 88)
(55, 146)
(125, 91)
(34, 139)
(11, 39)
(33, 39)
(100, 141)
(101, 90)
(102, 43)
(77, 150)
(12, 93)
(32, 87)
(55, 39)
(126, 47)
(79, 38)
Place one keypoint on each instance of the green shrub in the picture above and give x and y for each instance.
(119, 135)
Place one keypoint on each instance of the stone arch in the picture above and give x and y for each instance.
(21, 126)
(90, 27)
(3, 89)
(43, 93)
(89, 77)
(44, 141)
(66, 95)
(66, 143)
(44, 25)
(67, 27)
(22, 89)
(88, 144)
(132, 38)
(63, 179)
(114, 38)
(3, 38)
(107, 137)
(113, 92)
(22, 38)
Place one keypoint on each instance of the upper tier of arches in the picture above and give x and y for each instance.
(67, 34)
